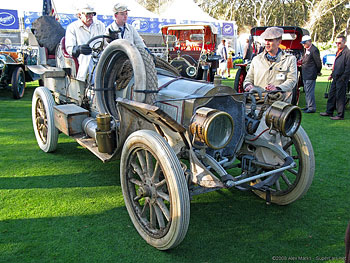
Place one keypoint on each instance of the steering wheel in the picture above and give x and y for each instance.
(97, 47)
(4, 47)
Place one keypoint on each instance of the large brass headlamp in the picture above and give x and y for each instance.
(283, 117)
(212, 127)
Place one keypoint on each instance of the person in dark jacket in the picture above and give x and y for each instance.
(340, 78)
(310, 68)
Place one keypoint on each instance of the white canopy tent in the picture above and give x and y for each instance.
(69, 7)
(186, 10)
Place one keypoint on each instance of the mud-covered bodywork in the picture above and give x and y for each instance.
(175, 137)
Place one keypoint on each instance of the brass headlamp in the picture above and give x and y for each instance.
(212, 127)
(283, 117)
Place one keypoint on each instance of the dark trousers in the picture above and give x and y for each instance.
(337, 98)
(309, 87)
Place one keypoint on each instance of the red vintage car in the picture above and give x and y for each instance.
(191, 49)
(290, 43)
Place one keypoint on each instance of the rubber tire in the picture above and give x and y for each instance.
(151, 74)
(43, 94)
(18, 83)
(295, 95)
(236, 83)
(110, 62)
(163, 64)
(306, 154)
(177, 187)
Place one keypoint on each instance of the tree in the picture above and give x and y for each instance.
(323, 18)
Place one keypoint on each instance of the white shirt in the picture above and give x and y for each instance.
(78, 34)
(130, 34)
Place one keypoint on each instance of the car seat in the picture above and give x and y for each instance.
(66, 61)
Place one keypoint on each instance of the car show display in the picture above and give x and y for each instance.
(191, 49)
(14, 71)
(175, 137)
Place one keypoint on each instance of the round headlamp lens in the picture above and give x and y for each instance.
(220, 130)
(212, 127)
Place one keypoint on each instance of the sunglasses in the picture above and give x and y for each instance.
(338, 43)
(89, 14)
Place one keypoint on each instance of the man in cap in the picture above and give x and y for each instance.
(310, 68)
(272, 69)
(78, 34)
(340, 79)
(120, 29)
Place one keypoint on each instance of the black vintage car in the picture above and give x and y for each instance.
(14, 71)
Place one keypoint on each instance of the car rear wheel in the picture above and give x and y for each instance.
(154, 189)
(18, 83)
(45, 130)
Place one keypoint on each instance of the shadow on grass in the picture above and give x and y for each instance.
(56, 181)
(229, 226)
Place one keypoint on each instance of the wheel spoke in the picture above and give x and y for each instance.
(164, 209)
(137, 169)
(163, 195)
(141, 157)
(149, 162)
(145, 208)
(135, 181)
(295, 172)
(160, 217)
(284, 177)
(137, 198)
(288, 144)
(278, 186)
(160, 184)
(152, 215)
(156, 172)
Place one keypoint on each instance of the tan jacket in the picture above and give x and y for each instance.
(130, 34)
(282, 73)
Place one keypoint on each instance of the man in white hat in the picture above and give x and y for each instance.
(272, 69)
(310, 68)
(120, 29)
(78, 34)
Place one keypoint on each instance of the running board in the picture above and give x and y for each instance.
(90, 144)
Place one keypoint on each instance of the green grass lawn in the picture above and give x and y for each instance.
(67, 206)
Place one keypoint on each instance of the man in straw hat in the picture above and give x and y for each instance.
(272, 69)
(79, 33)
(120, 29)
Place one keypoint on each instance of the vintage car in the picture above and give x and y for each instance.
(175, 137)
(290, 43)
(16, 61)
(191, 49)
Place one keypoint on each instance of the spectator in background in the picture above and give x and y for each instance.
(247, 52)
(310, 68)
(340, 78)
(229, 63)
(119, 29)
(78, 34)
(222, 51)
